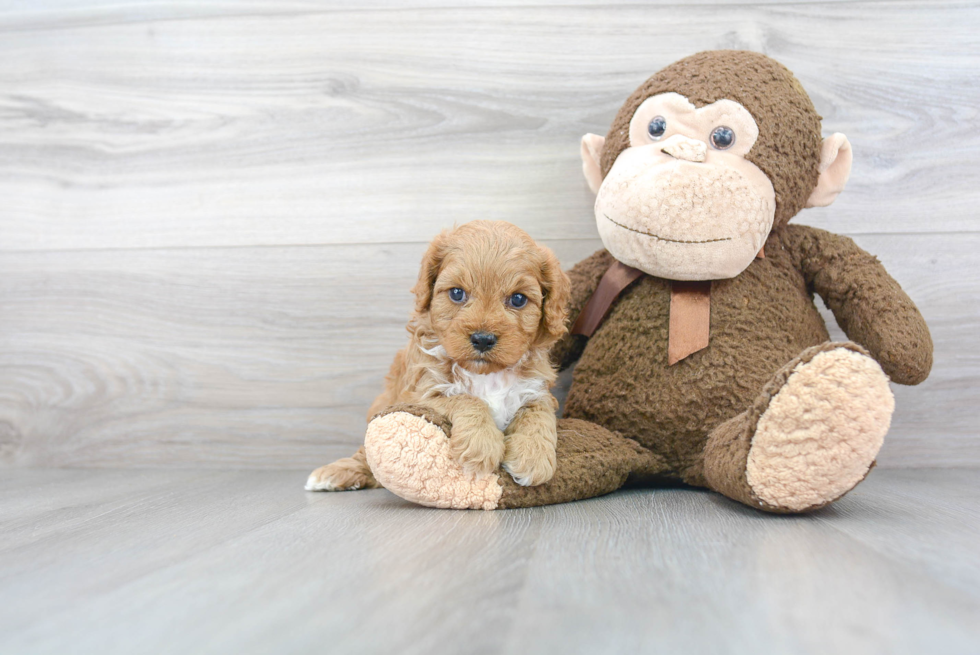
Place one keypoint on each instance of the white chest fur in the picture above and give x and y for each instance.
(504, 392)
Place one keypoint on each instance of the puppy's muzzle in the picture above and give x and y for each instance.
(483, 341)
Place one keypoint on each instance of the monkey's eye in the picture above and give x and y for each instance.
(657, 127)
(517, 301)
(457, 295)
(722, 138)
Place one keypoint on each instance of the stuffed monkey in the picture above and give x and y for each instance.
(702, 358)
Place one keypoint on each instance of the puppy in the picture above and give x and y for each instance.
(489, 303)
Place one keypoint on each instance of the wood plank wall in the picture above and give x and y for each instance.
(211, 213)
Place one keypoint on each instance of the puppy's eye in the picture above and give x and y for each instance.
(657, 127)
(457, 295)
(722, 138)
(517, 301)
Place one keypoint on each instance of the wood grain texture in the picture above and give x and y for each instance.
(327, 127)
(145, 9)
(211, 212)
(246, 562)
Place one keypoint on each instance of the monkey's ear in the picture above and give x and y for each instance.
(428, 272)
(835, 168)
(591, 153)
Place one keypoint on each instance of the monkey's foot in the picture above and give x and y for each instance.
(821, 432)
(408, 450)
(811, 436)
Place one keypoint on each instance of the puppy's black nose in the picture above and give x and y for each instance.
(483, 341)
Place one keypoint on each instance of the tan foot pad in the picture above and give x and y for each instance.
(821, 432)
(410, 457)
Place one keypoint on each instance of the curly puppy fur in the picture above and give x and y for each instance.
(497, 399)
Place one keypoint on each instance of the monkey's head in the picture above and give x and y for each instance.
(704, 160)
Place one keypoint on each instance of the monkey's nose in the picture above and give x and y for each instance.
(681, 147)
(483, 341)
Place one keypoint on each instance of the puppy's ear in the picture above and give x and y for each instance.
(431, 265)
(556, 289)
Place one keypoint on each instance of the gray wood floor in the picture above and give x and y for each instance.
(246, 562)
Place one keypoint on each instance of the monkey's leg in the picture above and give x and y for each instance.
(810, 437)
(347, 474)
(408, 450)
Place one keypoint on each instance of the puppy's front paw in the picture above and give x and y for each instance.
(478, 450)
(529, 460)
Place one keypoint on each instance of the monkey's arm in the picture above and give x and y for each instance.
(867, 302)
(585, 278)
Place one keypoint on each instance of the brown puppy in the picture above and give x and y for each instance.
(489, 303)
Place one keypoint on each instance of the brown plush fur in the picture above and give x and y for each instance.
(760, 320)
(672, 408)
(490, 261)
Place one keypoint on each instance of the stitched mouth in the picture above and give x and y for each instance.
(660, 238)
